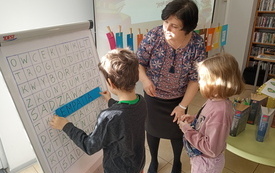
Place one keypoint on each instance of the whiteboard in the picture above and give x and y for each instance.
(45, 69)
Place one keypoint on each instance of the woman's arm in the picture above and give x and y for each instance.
(191, 91)
(148, 85)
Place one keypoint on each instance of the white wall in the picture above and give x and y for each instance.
(239, 16)
(18, 15)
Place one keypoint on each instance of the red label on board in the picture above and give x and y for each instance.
(8, 37)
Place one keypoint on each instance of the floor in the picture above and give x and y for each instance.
(234, 163)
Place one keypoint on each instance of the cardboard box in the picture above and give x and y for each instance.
(273, 123)
(239, 119)
(264, 123)
(268, 89)
(256, 101)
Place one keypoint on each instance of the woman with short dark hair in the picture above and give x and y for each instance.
(167, 56)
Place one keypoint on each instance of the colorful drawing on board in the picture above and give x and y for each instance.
(111, 38)
(130, 40)
(210, 33)
(216, 37)
(119, 38)
(224, 35)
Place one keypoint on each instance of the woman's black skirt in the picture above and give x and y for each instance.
(159, 122)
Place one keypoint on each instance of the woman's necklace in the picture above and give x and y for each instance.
(175, 47)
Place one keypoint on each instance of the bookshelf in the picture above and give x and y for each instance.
(263, 33)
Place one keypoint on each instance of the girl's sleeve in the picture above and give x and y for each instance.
(212, 143)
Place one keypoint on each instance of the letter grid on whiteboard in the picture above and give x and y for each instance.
(44, 73)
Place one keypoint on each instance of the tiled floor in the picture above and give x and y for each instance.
(234, 163)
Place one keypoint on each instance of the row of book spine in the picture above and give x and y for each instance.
(267, 5)
(266, 21)
(257, 50)
(264, 37)
(271, 68)
(264, 66)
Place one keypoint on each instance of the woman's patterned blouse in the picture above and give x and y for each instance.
(158, 57)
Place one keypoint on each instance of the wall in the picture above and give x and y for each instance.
(240, 17)
(18, 15)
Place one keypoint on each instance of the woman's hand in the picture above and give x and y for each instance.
(149, 88)
(148, 85)
(106, 94)
(58, 122)
(177, 112)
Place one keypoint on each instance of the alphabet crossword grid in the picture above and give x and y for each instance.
(50, 77)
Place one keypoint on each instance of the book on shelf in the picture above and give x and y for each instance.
(264, 37)
(256, 50)
(266, 56)
(265, 21)
(267, 5)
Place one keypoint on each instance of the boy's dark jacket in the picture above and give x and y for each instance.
(120, 133)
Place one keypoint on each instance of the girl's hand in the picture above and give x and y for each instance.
(58, 122)
(106, 94)
(181, 124)
(188, 118)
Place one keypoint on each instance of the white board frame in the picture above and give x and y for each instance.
(41, 38)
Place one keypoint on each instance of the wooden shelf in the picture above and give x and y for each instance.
(268, 44)
(258, 47)
(266, 28)
(266, 12)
